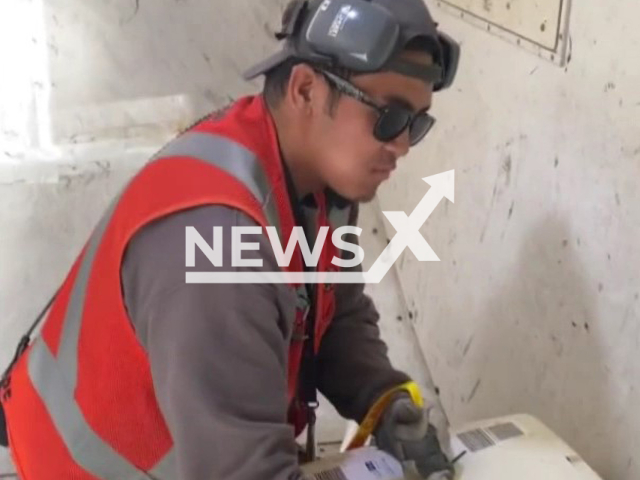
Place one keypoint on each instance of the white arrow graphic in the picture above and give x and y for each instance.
(408, 228)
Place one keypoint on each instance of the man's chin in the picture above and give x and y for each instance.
(366, 197)
(362, 195)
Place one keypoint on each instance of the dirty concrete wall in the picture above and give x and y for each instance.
(535, 304)
(94, 90)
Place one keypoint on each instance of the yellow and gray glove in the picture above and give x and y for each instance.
(405, 432)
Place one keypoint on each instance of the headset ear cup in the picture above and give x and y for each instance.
(450, 50)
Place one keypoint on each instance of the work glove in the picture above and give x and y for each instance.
(405, 432)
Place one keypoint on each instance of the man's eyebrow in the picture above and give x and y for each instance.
(403, 102)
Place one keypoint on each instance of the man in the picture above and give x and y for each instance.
(138, 374)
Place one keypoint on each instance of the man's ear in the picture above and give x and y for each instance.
(304, 88)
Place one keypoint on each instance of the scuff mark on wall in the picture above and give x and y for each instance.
(474, 390)
(467, 346)
(504, 170)
(506, 167)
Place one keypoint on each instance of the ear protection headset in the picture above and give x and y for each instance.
(363, 36)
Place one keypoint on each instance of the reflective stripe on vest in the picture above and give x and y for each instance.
(242, 164)
(55, 377)
(231, 157)
(55, 380)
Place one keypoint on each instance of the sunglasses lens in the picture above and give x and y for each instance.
(420, 126)
(392, 123)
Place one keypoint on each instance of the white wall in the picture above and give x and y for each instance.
(535, 304)
(83, 75)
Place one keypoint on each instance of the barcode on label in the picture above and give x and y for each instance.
(333, 474)
(505, 431)
(480, 438)
(476, 440)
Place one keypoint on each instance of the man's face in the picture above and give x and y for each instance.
(348, 157)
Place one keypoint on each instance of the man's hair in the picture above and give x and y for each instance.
(277, 80)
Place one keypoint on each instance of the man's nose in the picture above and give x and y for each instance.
(400, 145)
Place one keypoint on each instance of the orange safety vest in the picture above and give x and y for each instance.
(80, 401)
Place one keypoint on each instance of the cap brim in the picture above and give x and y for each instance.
(267, 64)
(427, 73)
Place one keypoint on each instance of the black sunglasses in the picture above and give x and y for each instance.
(393, 119)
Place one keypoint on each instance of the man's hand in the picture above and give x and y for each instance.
(404, 431)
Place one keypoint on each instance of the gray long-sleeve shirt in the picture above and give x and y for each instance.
(218, 352)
